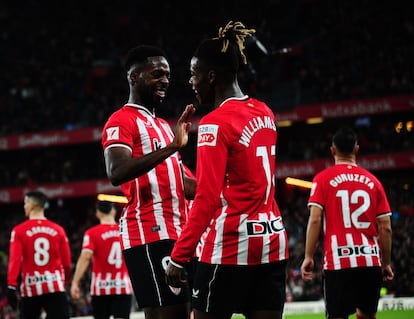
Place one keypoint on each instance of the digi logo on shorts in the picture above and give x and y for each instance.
(112, 133)
(264, 227)
(207, 135)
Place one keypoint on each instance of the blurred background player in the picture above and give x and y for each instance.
(242, 266)
(40, 255)
(110, 287)
(141, 155)
(352, 204)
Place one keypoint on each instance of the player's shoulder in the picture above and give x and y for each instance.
(96, 229)
(120, 113)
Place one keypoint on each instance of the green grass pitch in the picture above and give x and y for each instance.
(392, 314)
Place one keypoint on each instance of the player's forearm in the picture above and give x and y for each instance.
(312, 236)
(122, 169)
(385, 241)
(80, 269)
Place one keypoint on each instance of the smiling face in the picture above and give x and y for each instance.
(150, 81)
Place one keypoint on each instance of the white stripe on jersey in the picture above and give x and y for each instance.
(123, 230)
(98, 285)
(28, 290)
(107, 283)
(152, 176)
(93, 284)
(266, 239)
(335, 257)
(38, 285)
(350, 243)
(137, 216)
(172, 178)
(282, 244)
(243, 243)
(118, 286)
(218, 241)
(368, 258)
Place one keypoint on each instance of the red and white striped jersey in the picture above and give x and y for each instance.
(235, 201)
(352, 199)
(40, 253)
(109, 273)
(156, 206)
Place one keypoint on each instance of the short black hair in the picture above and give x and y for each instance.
(104, 207)
(209, 52)
(140, 54)
(345, 139)
(39, 197)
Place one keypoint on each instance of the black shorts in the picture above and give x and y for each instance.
(117, 305)
(346, 290)
(56, 306)
(226, 289)
(146, 266)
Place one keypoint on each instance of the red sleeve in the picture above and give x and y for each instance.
(66, 257)
(15, 253)
(211, 145)
(117, 131)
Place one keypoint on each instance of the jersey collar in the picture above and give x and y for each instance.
(234, 98)
(142, 108)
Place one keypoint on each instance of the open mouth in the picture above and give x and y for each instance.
(160, 93)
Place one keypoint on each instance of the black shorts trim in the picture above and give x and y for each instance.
(345, 290)
(56, 306)
(239, 289)
(146, 266)
(117, 305)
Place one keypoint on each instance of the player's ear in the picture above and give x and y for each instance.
(333, 150)
(356, 150)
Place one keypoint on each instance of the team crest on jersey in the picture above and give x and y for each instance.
(112, 133)
(207, 135)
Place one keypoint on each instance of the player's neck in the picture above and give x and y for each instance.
(345, 160)
(107, 221)
(35, 214)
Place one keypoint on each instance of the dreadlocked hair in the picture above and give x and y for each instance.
(225, 51)
(236, 32)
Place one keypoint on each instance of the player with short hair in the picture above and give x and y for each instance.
(352, 206)
(40, 257)
(110, 287)
(242, 266)
(141, 155)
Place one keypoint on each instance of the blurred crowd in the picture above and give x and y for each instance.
(62, 62)
(61, 68)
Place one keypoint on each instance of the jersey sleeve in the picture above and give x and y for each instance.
(15, 253)
(211, 144)
(316, 197)
(117, 132)
(66, 256)
(88, 242)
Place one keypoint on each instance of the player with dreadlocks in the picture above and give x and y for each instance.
(242, 265)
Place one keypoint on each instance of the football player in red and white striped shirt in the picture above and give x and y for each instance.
(40, 256)
(350, 205)
(141, 155)
(242, 267)
(110, 285)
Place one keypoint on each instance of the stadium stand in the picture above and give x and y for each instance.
(60, 81)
